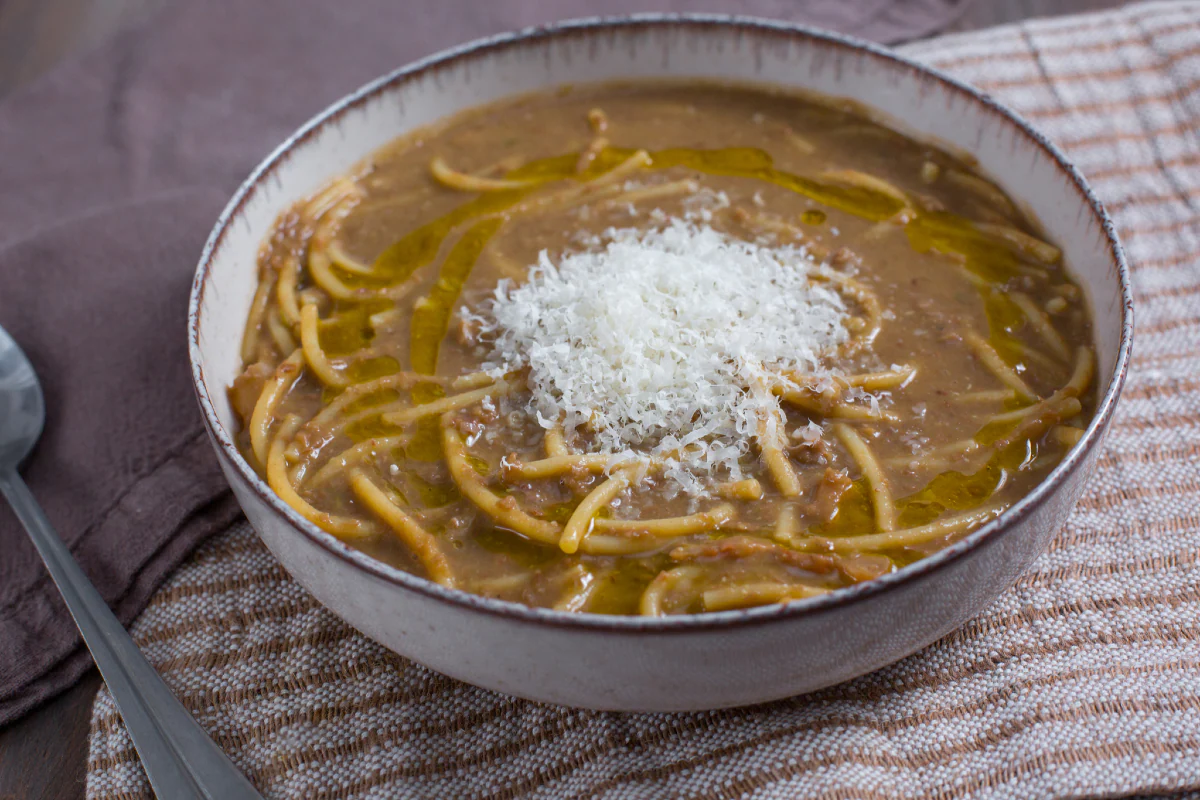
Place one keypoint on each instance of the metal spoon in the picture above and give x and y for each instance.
(179, 758)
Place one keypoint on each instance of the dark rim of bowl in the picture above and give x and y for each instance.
(682, 623)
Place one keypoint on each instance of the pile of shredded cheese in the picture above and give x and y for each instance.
(666, 342)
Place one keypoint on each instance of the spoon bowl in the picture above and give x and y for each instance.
(22, 407)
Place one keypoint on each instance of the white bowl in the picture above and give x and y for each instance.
(680, 663)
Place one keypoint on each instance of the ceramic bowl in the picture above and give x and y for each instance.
(695, 662)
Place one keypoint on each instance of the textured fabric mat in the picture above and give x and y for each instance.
(1083, 680)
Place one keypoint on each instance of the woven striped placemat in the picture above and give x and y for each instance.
(1083, 680)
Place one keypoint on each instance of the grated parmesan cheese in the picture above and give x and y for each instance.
(666, 342)
(856, 394)
(809, 434)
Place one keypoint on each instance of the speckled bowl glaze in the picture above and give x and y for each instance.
(685, 663)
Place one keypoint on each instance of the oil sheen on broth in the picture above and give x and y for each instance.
(375, 401)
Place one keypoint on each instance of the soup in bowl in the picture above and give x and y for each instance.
(739, 362)
(659, 348)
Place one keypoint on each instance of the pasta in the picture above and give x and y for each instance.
(825, 351)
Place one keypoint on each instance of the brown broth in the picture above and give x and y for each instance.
(941, 263)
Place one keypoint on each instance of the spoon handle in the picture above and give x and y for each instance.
(178, 756)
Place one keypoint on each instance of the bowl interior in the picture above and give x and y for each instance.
(916, 101)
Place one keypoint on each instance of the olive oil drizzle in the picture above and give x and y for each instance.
(984, 256)
(485, 215)
(415, 250)
(948, 491)
(431, 314)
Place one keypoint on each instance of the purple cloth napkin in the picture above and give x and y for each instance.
(114, 168)
(124, 468)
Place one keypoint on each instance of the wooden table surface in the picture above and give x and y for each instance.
(43, 755)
